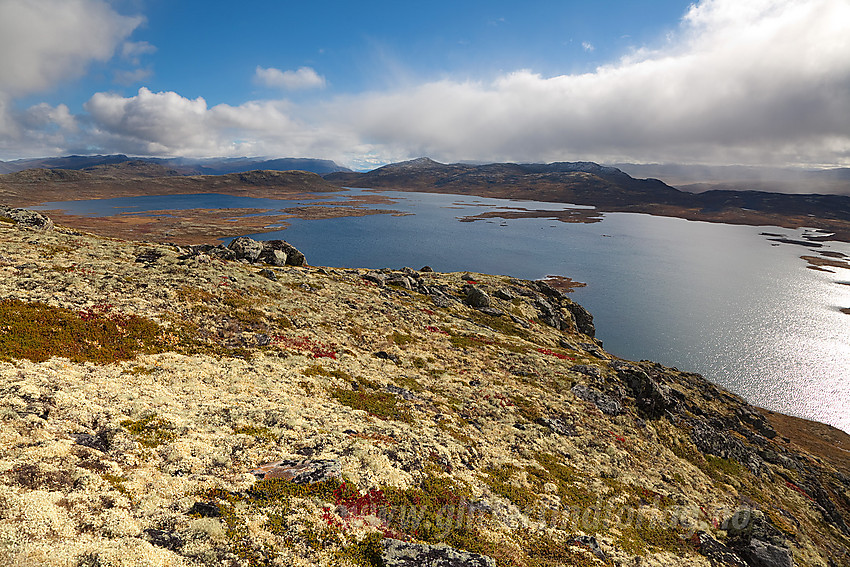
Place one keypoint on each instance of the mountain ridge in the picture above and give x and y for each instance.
(609, 189)
(184, 166)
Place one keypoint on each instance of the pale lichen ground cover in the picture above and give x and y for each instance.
(102, 463)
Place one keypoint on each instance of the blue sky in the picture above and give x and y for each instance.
(716, 81)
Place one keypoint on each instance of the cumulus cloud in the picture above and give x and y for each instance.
(587, 46)
(166, 123)
(303, 78)
(46, 41)
(760, 82)
(765, 81)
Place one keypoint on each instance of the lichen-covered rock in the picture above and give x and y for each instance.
(652, 398)
(477, 297)
(26, 218)
(294, 257)
(299, 472)
(606, 404)
(246, 248)
(398, 553)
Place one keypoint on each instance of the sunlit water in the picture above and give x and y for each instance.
(717, 299)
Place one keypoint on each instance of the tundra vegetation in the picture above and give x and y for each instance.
(143, 388)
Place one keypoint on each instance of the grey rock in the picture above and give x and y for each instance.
(762, 554)
(222, 253)
(266, 273)
(397, 553)
(477, 297)
(520, 321)
(557, 425)
(492, 311)
(101, 441)
(653, 400)
(274, 257)
(582, 317)
(606, 404)
(375, 277)
(591, 544)
(721, 443)
(246, 248)
(400, 280)
(299, 472)
(26, 218)
(591, 371)
(398, 391)
(163, 538)
(294, 257)
(504, 293)
(717, 553)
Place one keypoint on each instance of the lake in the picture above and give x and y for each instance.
(722, 300)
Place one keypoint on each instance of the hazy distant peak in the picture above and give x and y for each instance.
(418, 163)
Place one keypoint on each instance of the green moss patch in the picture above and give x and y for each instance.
(36, 331)
(150, 431)
(380, 404)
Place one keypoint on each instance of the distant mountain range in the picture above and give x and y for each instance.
(609, 189)
(179, 166)
(699, 178)
(582, 183)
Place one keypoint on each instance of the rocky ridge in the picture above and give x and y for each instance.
(169, 406)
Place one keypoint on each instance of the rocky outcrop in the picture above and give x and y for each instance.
(25, 218)
(271, 252)
(477, 297)
(651, 398)
(398, 553)
(756, 541)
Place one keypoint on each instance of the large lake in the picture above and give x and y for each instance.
(722, 300)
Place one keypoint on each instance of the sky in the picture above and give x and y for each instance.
(755, 82)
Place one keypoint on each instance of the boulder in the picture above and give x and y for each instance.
(397, 553)
(717, 553)
(477, 297)
(720, 443)
(246, 248)
(294, 257)
(26, 218)
(756, 540)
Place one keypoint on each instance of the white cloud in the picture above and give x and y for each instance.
(43, 42)
(766, 81)
(133, 50)
(129, 77)
(166, 123)
(762, 82)
(587, 46)
(303, 78)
